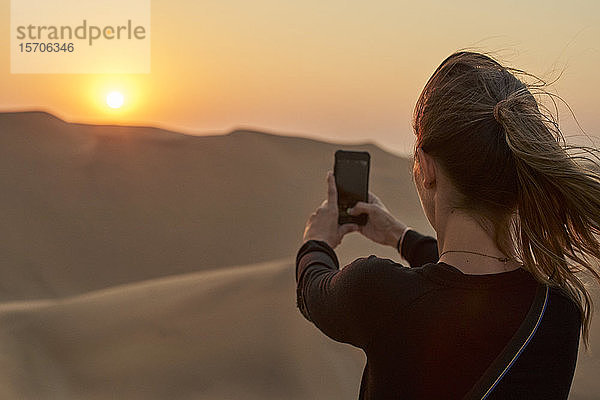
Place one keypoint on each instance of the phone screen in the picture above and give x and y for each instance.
(352, 179)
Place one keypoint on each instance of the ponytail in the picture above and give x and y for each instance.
(558, 202)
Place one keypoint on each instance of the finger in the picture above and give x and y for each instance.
(371, 197)
(361, 207)
(331, 189)
(347, 228)
(374, 199)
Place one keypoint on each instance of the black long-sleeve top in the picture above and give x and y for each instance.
(430, 331)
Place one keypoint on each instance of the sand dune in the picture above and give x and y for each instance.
(225, 334)
(86, 207)
(140, 263)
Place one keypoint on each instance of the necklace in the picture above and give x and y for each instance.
(501, 259)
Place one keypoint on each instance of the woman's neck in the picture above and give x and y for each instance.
(460, 232)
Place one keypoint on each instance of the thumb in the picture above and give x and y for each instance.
(347, 228)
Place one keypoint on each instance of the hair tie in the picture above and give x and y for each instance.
(497, 110)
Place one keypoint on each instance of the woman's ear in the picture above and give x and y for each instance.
(427, 166)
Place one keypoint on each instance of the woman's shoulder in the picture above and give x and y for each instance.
(374, 265)
(383, 275)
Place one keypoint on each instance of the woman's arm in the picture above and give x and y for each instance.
(338, 301)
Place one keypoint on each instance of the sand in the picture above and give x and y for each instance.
(143, 263)
(232, 333)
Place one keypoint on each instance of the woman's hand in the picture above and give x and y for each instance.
(323, 223)
(381, 226)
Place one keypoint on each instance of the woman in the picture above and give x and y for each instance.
(512, 210)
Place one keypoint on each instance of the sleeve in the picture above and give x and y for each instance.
(419, 249)
(336, 300)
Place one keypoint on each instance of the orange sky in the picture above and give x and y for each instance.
(335, 70)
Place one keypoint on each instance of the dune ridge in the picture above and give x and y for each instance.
(94, 206)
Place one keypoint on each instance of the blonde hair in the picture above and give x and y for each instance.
(508, 160)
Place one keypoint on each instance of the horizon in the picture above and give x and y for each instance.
(365, 142)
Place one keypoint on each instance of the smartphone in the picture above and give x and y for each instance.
(351, 171)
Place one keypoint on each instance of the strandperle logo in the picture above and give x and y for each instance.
(80, 36)
(84, 31)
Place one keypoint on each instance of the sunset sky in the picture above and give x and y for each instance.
(335, 70)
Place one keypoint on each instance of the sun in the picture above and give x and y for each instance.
(115, 99)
